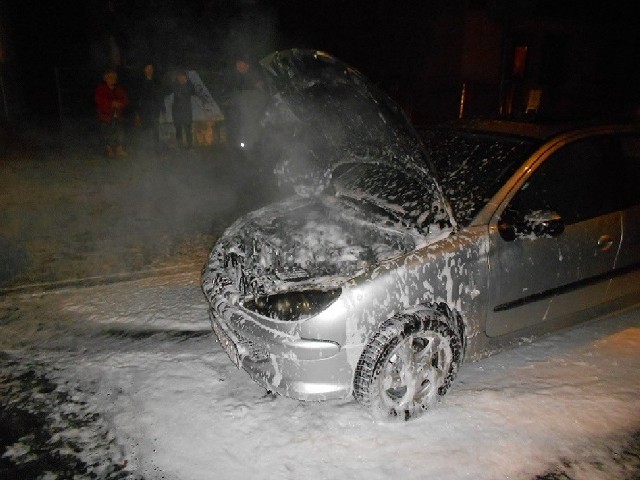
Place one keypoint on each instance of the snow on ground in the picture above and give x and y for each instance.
(141, 356)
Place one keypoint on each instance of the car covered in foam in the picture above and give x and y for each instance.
(400, 255)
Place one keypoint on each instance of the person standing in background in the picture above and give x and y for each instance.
(243, 101)
(111, 102)
(181, 110)
(148, 104)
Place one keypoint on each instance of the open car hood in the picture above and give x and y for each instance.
(366, 191)
(323, 113)
(304, 243)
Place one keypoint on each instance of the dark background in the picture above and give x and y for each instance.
(583, 55)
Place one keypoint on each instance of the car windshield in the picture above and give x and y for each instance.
(473, 166)
(402, 196)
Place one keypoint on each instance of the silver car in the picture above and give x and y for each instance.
(400, 256)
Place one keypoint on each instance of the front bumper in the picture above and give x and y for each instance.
(297, 368)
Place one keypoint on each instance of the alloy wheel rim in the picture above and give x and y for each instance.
(415, 371)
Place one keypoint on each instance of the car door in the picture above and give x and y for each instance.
(626, 279)
(554, 243)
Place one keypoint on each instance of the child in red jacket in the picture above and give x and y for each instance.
(111, 101)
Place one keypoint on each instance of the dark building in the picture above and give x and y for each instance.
(439, 59)
(525, 59)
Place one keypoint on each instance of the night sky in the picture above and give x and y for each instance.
(387, 40)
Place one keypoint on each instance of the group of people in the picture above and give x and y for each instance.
(113, 104)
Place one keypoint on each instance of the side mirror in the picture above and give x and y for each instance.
(539, 223)
(506, 230)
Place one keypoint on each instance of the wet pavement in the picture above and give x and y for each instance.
(32, 414)
(117, 381)
(71, 217)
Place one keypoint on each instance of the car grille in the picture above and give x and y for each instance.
(236, 345)
(254, 352)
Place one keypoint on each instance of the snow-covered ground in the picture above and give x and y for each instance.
(163, 400)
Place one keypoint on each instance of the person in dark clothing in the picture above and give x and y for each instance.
(149, 103)
(111, 101)
(243, 101)
(181, 109)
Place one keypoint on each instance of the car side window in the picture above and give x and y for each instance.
(578, 182)
(630, 151)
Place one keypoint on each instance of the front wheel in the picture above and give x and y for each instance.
(408, 365)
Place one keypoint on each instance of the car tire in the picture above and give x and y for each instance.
(408, 365)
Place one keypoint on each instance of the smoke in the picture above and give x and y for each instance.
(68, 212)
(195, 35)
(171, 206)
(79, 214)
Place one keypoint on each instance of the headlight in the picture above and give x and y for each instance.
(293, 306)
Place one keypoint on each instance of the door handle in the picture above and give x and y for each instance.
(605, 242)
